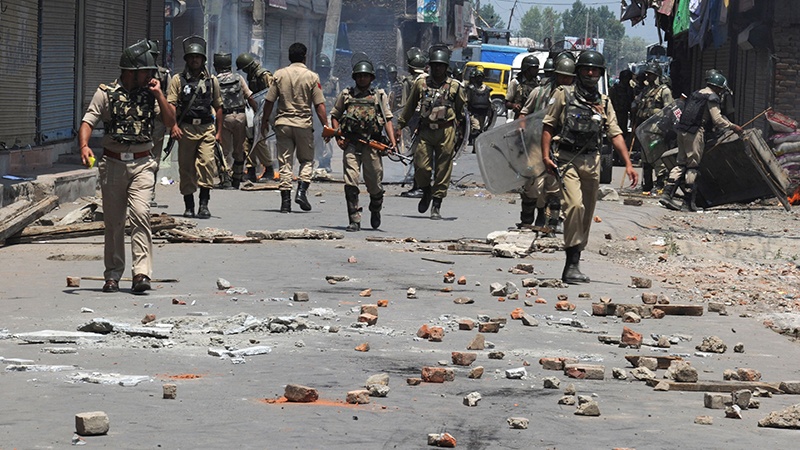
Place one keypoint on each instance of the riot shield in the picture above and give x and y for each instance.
(511, 153)
(657, 134)
(462, 136)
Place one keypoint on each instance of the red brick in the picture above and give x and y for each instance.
(466, 324)
(383, 303)
(300, 394)
(517, 313)
(148, 318)
(565, 306)
(369, 309)
(489, 327)
(463, 359)
(541, 301)
(362, 347)
(437, 374)
(462, 280)
(747, 374)
(369, 319)
(657, 313)
(424, 332)
(555, 363)
(630, 337)
(599, 309)
(436, 334)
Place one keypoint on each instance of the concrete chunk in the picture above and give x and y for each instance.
(92, 423)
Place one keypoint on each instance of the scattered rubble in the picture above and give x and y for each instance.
(93, 423)
(712, 344)
(472, 399)
(518, 423)
(786, 418)
(445, 440)
(170, 391)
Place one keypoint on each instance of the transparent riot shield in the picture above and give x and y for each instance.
(511, 153)
(657, 134)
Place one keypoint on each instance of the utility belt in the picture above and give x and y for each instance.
(198, 120)
(569, 148)
(232, 110)
(125, 156)
(441, 124)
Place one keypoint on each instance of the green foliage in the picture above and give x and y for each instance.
(539, 24)
(491, 17)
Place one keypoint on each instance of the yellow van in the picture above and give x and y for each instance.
(496, 76)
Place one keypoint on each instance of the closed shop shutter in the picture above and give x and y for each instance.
(57, 72)
(103, 43)
(19, 23)
(272, 43)
(137, 18)
(156, 29)
(753, 88)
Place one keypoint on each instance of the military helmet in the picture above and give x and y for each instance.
(380, 67)
(222, 61)
(717, 80)
(591, 58)
(154, 48)
(564, 54)
(363, 67)
(440, 56)
(654, 68)
(245, 60)
(529, 61)
(194, 45)
(565, 66)
(711, 72)
(549, 66)
(138, 56)
(323, 61)
(391, 68)
(477, 73)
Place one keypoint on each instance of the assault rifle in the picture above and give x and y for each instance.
(384, 149)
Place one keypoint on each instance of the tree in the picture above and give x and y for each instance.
(488, 14)
(602, 23)
(631, 50)
(539, 24)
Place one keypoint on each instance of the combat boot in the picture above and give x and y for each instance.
(188, 201)
(353, 211)
(414, 192)
(425, 201)
(527, 213)
(286, 201)
(667, 199)
(572, 271)
(268, 175)
(202, 211)
(251, 174)
(375, 206)
(541, 218)
(690, 199)
(300, 198)
(437, 205)
(553, 210)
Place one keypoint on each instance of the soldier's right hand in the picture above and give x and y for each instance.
(398, 133)
(341, 143)
(739, 130)
(550, 165)
(87, 156)
(176, 133)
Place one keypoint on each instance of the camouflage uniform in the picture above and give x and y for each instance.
(234, 92)
(519, 89)
(650, 101)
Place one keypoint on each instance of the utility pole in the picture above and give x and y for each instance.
(332, 30)
(586, 31)
(508, 27)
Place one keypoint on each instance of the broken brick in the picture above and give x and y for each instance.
(436, 334)
(74, 282)
(437, 374)
(585, 371)
(476, 372)
(362, 347)
(657, 313)
(424, 332)
(478, 343)
(540, 301)
(300, 394)
(462, 280)
(747, 374)
(649, 298)
(556, 363)
(383, 303)
(91, 423)
(463, 359)
(489, 327)
(631, 338)
(369, 319)
(369, 309)
(170, 391)
(358, 397)
(565, 306)
(365, 293)
(148, 318)
(445, 440)
(517, 313)
(599, 309)
(449, 277)
(466, 324)
(413, 381)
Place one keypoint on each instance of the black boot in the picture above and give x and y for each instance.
(425, 201)
(437, 205)
(268, 175)
(286, 201)
(353, 211)
(572, 271)
(188, 200)
(690, 198)
(541, 219)
(414, 192)
(553, 211)
(251, 174)
(667, 199)
(300, 198)
(527, 213)
(236, 181)
(375, 206)
(202, 211)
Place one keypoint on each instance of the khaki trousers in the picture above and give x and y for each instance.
(357, 156)
(581, 181)
(541, 188)
(196, 165)
(159, 133)
(435, 149)
(690, 152)
(234, 133)
(293, 140)
(125, 187)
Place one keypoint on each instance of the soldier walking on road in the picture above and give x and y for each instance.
(576, 123)
(297, 90)
(195, 97)
(479, 103)
(700, 114)
(362, 112)
(441, 102)
(520, 87)
(235, 96)
(128, 108)
(654, 97)
(258, 79)
(416, 61)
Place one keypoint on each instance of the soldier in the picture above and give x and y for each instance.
(541, 195)
(549, 69)
(653, 98)
(363, 113)
(195, 96)
(382, 77)
(296, 89)
(127, 108)
(396, 89)
(323, 151)
(441, 103)
(159, 131)
(700, 114)
(416, 62)
(577, 119)
(258, 79)
(479, 103)
(622, 97)
(235, 96)
(520, 87)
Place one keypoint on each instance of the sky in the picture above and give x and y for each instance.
(503, 8)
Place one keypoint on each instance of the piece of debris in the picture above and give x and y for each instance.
(590, 408)
(437, 374)
(445, 440)
(365, 293)
(148, 318)
(712, 344)
(463, 359)
(109, 378)
(585, 371)
(704, 420)
(472, 399)
(411, 293)
(631, 338)
(738, 348)
(170, 391)
(681, 371)
(362, 347)
(358, 397)
(619, 374)
(641, 283)
(463, 301)
(337, 278)
(733, 412)
(518, 423)
(74, 282)
(304, 233)
(551, 382)
(94, 423)
(643, 374)
(462, 280)
(516, 374)
(786, 418)
(223, 284)
(378, 390)
(300, 394)
(475, 372)
(57, 337)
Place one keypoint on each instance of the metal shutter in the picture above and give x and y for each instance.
(136, 21)
(103, 43)
(56, 72)
(753, 89)
(272, 43)
(156, 27)
(18, 63)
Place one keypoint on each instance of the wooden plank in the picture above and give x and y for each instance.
(461, 247)
(260, 187)
(717, 386)
(643, 310)
(440, 261)
(663, 361)
(681, 310)
(304, 233)
(16, 218)
(36, 233)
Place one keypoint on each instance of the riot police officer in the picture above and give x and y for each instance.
(362, 113)
(323, 151)
(258, 79)
(235, 96)
(520, 87)
(396, 89)
(700, 114)
(195, 96)
(654, 97)
(577, 121)
(479, 103)
(416, 62)
(441, 103)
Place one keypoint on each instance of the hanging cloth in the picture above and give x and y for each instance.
(681, 22)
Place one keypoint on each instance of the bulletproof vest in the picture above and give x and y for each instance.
(257, 82)
(479, 100)
(397, 90)
(583, 125)
(693, 112)
(362, 114)
(201, 107)
(132, 114)
(651, 102)
(543, 95)
(524, 89)
(436, 97)
(230, 87)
